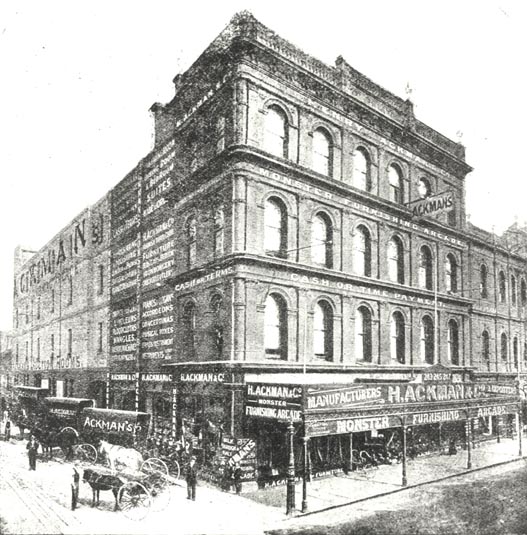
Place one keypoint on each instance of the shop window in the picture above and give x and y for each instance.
(323, 331)
(191, 230)
(219, 226)
(427, 340)
(395, 179)
(485, 348)
(363, 335)
(321, 241)
(425, 268)
(453, 342)
(451, 273)
(502, 287)
(275, 232)
(483, 281)
(515, 352)
(513, 290)
(162, 408)
(275, 135)
(361, 170)
(396, 260)
(523, 292)
(424, 189)
(397, 338)
(275, 327)
(504, 350)
(322, 152)
(189, 325)
(362, 251)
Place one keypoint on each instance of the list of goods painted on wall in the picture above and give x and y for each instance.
(124, 331)
(157, 327)
(125, 264)
(125, 206)
(158, 253)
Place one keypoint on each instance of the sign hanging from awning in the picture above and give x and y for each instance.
(433, 205)
(274, 401)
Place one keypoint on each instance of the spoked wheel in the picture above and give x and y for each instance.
(66, 439)
(175, 469)
(154, 466)
(160, 492)
(86, 452)
(134, 500)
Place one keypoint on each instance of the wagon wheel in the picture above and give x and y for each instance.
(154, 466)
(134, 500)
(174, 468)
(67, 437)
(86, 452)
(160, 493)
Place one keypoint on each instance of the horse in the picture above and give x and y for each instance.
(119, 454)
(100, 482)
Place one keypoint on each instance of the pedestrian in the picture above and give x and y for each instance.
(452, 450)
(237, 475)
(7, 431)
(227, 477)
(191, 476)
(32, 447)
(75, 489)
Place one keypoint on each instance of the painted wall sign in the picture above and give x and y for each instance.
(122, 377)
(124, 331)
(215, 377)
(157, 377)
(200, 280)
(157, 327)
(433, 205)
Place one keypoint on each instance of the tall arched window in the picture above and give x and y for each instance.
(523, 292)
(191, 229)
(275, 232)
(485, 348)
(397, 338)
(361, 170)
(321, 241)
(395, 179)
(504, 350)
(451, 273)
(396, 260)
(275, 135)
(427, 340)
(483, 281)
(189, 325)
(453, 342)
(424, 189)
(425, 268)
(515, 351)
(323, 331)
(275, 327)
(322, 152)
(219, 226)
(363, 332)
(513, 290)
(502, 287)
(362, 251)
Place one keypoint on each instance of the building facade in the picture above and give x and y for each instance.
(271, 237)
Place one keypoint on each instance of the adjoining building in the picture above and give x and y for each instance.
(294, 248)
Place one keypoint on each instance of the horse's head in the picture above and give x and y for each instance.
(86, 475)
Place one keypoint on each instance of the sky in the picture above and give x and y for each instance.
(78, 79)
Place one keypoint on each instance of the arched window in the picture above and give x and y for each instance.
(485, 348)
(504, 349)
(451, 273)
(453, 342)
(425, 268)
(322, 152)
(523, 292)
(397, 338)
(502, 287)
(363, 331)
(275, 327)
(275, 232)
(321, 241)
(216, 303)
(361, 170)
(427, 340)
(424, 189)
(219, 226)
(191, 229)
(396, 260)
(513, 290)
(362, 251)
(515, 351)
(323, 331)
(189, 325)
(275, 135)
(483, 281)
(395, 179)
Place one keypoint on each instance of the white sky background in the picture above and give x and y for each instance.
(77, 79)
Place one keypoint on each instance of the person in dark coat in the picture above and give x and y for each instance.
(7, 431)
(32, 448)
(237, 475)
(74, 489)
(191, 477)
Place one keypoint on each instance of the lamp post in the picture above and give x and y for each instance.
(290, 499)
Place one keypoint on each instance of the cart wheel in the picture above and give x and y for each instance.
(66, 439)
(86, 452)
(134, 500)
(154, 466)
(160, 492)
(174, 469)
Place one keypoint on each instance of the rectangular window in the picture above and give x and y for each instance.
(52, 344)
(16, 318)
(38, 349)
(70, 342)
(70, 291)
(100, 337)
(101, 279)
(17, 355)
(38, 308)
(52, 301)
(27, 313)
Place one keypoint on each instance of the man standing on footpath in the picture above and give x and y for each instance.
(32, 447)
(191, 476)
(74, 489)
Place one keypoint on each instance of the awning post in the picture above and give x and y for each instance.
(290, 497)
(405, 480)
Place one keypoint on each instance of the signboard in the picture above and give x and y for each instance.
(433, 205)
(157, 327)
(274, 401)
(350, 425)
(114, 421)
(240, 450)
